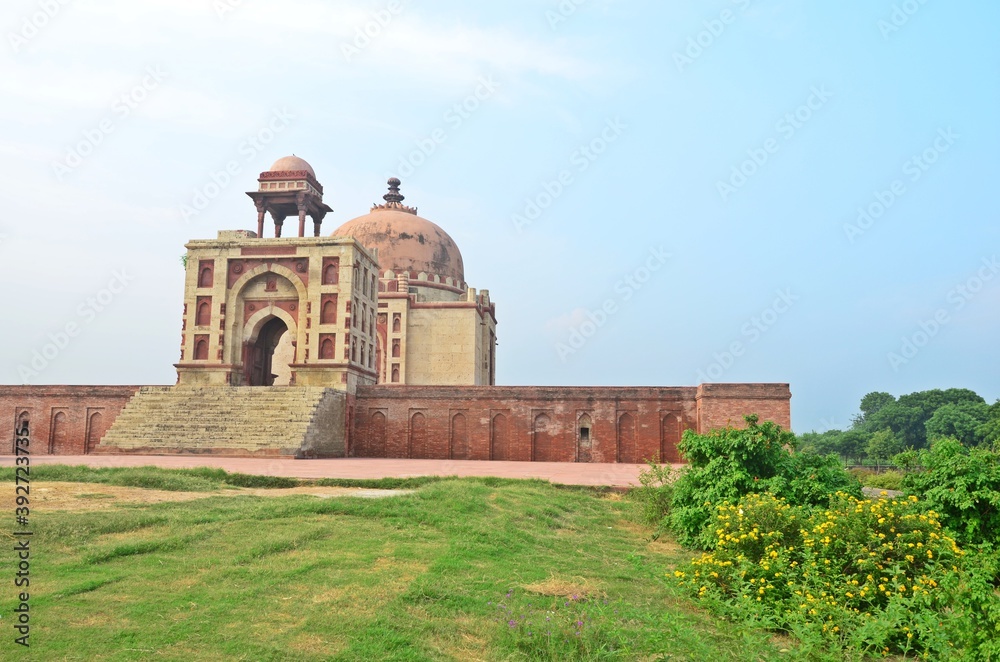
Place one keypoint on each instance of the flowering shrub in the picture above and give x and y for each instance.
(730, 463)
(874, 576)
(962, 484)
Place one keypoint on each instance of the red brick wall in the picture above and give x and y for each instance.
(61, 417)
(722, 405)
(539, 423)
(628, 424)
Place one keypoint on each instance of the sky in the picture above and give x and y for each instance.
(654, 193)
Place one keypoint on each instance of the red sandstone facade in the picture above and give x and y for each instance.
(523, 423)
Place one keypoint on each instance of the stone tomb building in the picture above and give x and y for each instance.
(367, 342)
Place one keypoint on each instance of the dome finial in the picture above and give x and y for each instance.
(393, 196)
(394, 199)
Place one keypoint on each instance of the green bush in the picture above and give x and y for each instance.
(961, 484)
(727, 464)
(654, 493)
(887, 480)
(869, 577)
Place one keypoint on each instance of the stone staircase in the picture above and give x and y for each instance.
(230, 420)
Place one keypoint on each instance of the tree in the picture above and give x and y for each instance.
(989, 431)
(883, 445)
(854, 445)
(905, 421)
(961, 421)
(870, 405)
(907, 417)
(821, 443)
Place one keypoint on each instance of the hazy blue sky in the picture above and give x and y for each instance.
(695, 168)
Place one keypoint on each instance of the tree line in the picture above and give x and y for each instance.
(886, 425)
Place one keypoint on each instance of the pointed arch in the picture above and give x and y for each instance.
(499, 442)
(204, 315)
(59, 435)
(459, 437)
(23, 420)
(584, 438)
(541, 439)
(329, 313)
(95, 431)
(670, 435)
(418, 436)
(626, 439)
(376, 436)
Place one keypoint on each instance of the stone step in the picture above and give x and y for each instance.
(283, 419)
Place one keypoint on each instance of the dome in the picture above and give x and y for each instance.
(292, 163)
(405, 242)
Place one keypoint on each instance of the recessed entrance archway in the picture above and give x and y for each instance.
(268, 357)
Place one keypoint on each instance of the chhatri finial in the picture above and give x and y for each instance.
(394, 199)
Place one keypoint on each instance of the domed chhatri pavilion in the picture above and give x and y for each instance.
(366, 342)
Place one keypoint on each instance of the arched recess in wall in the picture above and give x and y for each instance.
(541, 439)
(376, 437)
(326, 349)
(205, 277)
(204, 316)
(626, 440)
(418, 436)
(670, 436)
(22, 419)
(584, 439)
(499, 441)
(201, 350)
(329, 314)
(459, 438)
(59, 435)
(331, 274)
(95, 430)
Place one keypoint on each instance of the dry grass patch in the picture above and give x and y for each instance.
(577, 587)
(49, 496)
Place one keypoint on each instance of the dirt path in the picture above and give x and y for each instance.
(566, 473)
(47, 496)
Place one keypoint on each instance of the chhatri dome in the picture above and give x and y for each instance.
(405, 242)
(292, 164)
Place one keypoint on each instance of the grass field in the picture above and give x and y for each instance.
(467, 569)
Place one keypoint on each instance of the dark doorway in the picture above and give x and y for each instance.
(262, 353)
